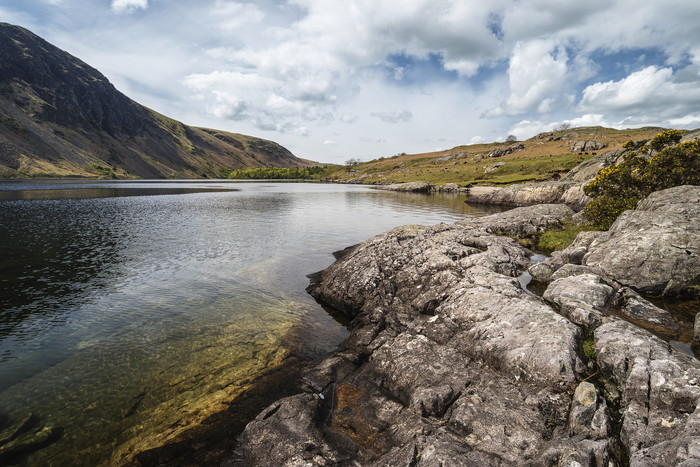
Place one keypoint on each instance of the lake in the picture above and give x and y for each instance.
(130, 311)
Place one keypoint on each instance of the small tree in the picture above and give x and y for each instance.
(511, 139)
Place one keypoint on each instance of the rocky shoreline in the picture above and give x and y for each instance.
(451, 362)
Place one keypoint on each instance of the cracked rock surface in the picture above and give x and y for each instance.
(451, 362)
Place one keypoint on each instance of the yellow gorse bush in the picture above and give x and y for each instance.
(619, 188)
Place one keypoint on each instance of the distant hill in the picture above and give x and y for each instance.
(59, 117)
(547, 156)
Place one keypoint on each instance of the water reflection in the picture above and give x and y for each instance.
(125, 319)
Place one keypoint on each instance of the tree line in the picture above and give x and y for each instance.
(278, 173)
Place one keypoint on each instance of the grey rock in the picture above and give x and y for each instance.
(587, 146)
(524, 221)
(412, 187)
(660, 388)
(506, 419)
(638, 309)
(582, 298)
(449, 188)
(587, 170)
(493, 167)
(565, 192)
(692, 136)
(653, 249)
(506, 151)
(286, 433)
(589, 413)
(451, 362)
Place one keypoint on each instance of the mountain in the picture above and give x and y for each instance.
(59, 117)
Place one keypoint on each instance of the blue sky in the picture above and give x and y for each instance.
(339, 79)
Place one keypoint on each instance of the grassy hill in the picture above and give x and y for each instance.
(546, 156)
(59, 117)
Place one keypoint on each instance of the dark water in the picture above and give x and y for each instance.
(130, 311)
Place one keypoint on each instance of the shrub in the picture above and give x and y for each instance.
(619, 188)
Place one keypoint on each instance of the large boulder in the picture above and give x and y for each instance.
(587, 170)
(570, 193)
(653, 249)
(411, 187)
(588, 145)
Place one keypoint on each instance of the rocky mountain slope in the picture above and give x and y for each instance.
(61, 117)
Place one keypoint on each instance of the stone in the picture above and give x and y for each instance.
(589, 413)
(412, 187)
(582, 298)
(660, 388)
(587, 170)
(506, 151)
(523, 221)
(563, 192)
(451, 362)
(653, 249)
(587, 146)
(640, 310)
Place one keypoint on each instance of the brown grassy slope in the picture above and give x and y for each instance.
(545, 157)
(61, 117)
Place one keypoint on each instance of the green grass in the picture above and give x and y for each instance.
(544, 158)
(558, 239)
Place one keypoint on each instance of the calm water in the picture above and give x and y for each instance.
(131, 310)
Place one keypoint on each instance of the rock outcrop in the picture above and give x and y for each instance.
(570, 193)
(587, 146)
(412, 187)
(451, 362)
(423, 187)
(506, 151)
(587, 170)
(653, 249)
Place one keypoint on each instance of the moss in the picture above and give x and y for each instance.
(588, 347)
(558, 239)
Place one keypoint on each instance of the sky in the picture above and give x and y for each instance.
(338, 79)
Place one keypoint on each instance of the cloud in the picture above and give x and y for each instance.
(650, 89)
(537, 75)
(477, 140)
(393, 117)
(128, 6)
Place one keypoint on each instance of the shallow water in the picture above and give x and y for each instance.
(131, 310)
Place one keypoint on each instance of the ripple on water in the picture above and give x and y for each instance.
(128, 319)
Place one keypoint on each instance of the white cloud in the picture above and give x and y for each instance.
(537, 74)
(393, 117)
(128, 6)
(477, 140)
(650, 89)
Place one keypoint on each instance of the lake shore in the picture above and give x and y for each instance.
(450, 360)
